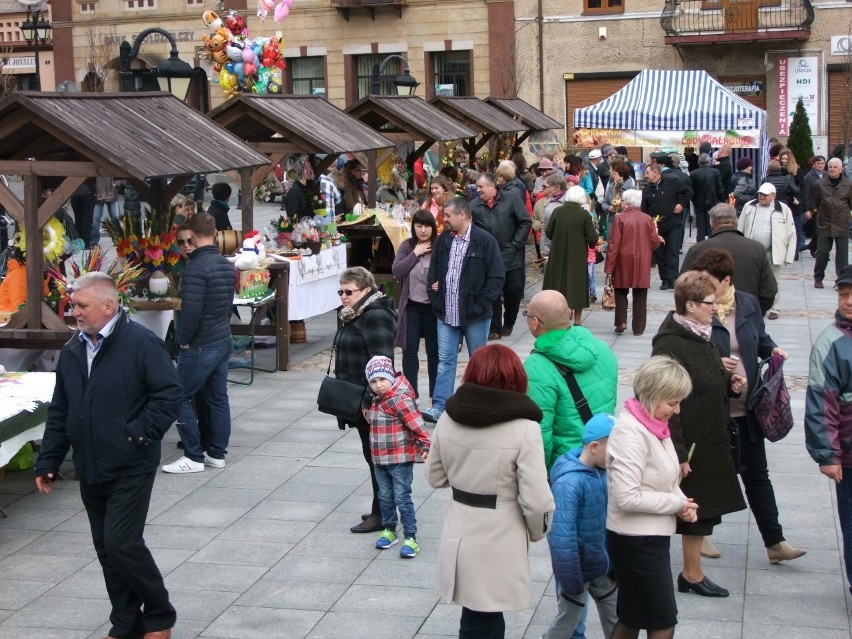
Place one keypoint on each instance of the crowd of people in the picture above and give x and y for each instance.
(529, 450)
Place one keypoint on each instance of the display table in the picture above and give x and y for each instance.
(23, 412)
(314, 281)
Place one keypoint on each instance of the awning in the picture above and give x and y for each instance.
(658, 100)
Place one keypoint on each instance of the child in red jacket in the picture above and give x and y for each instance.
(396, 434)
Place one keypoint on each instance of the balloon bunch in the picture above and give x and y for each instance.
(280, 9)
(242, 64)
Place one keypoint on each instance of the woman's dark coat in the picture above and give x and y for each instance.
(754, 344)
(572, 233)
(703, 420)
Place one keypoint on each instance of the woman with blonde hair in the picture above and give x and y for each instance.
(645, 500)
(795, 199)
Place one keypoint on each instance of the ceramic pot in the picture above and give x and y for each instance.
(158, 283)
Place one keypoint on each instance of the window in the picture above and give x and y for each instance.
(308, 75)
(364, 74)
(87, 7)
(451, 73)
(139, 5)
(603, 6)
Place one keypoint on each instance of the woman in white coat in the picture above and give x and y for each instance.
(643, 474)
(487, 448)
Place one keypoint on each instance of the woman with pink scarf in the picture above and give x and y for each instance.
(645, 500)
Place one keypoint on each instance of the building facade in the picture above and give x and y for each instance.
(17, 57)
(330, 45)
(770, 52)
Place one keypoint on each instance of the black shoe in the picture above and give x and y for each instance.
(705, 587)
(180, 445)
(373, 523)
(507, 330)
(665, 286)
(365, 516)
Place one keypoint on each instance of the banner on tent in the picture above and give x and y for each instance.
(745, 138)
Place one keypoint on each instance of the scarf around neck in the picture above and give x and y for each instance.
(725, 305)
(349, 314)
(697, 328)
(657, 427)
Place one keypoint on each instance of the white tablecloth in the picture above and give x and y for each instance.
(155, 321)
(319, 296)
(10, 447)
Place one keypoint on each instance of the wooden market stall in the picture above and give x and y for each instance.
(68, 138)
(525, 114)
(485, 119)
(278, 125)
(407, 118)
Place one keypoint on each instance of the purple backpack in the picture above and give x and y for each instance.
(770, 401)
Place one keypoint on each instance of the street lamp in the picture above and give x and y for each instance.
(405, 83)
(36, 31)
(173, 75)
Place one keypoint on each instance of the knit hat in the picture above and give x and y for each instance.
(743, 164)
(607, 150)
(380, 367)
(598, 427)
(545, 164)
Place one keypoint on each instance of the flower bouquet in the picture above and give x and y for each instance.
(306, 235)
(284, 227)
(319, 205)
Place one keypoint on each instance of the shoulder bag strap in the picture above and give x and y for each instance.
(334, 349)
(580, 401)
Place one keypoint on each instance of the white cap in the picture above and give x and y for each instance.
(594, 154)
(766, 188)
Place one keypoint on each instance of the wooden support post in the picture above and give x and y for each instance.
(247, 199)
(371, 181)
(35, 256)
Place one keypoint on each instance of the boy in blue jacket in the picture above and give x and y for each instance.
(578, 536)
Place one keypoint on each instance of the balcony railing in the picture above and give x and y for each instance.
(345, 6)
(686, 21)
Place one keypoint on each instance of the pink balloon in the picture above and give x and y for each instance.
(281, 12)
(248, 55)
(289, 3)
(249, 68)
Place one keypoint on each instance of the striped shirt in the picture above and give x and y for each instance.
(458, 250)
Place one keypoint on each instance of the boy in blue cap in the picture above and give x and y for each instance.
(578, 536)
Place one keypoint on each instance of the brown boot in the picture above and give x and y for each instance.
(158, 634)
(709, 550)
(782, 551)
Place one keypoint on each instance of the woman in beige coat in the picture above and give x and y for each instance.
(487, 447)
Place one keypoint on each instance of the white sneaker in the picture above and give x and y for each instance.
(213, 462)
(184, 465)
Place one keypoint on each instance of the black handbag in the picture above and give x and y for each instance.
(338, 397)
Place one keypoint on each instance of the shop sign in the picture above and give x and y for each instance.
(841, 45)
(798, 78)
(746, 138)
(12, 65)
(750, 88)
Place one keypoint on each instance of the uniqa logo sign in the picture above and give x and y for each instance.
(841, 45)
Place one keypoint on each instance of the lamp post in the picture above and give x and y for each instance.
(405, 83)
(36, 31)
(173, 75)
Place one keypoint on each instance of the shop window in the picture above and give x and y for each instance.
(603, 6)
(308, 75)
(451, 73)
(364, 74)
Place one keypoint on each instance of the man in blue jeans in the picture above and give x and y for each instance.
(466, 275)
(204, 335)
(828, 412)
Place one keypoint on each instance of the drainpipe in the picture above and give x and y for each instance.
(540, 18)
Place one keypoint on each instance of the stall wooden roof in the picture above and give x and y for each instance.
(525, 113)
(478, 115)
(132, 135)
(304, 124)
(408, 117)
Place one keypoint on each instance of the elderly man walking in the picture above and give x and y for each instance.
(770, 222)
(831, 201)
(560, 349)
(116, 395)
(665, 198)
(504, 215)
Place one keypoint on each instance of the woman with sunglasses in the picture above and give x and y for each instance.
(700, 433)
(367, 329)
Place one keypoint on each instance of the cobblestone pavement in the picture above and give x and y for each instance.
(262, 548)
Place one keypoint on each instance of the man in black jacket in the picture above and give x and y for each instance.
(666, 197)
(503, 215)
(204, 336)
(707, 192)
(752, 269)
(116, 395)
(465, 276)
(219, 207)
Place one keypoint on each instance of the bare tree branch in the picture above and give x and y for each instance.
(98, 54)
(7, 81)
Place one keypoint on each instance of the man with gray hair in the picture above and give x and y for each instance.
(831, 201)
(116, 395)
(752, 269)
(707, 192)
